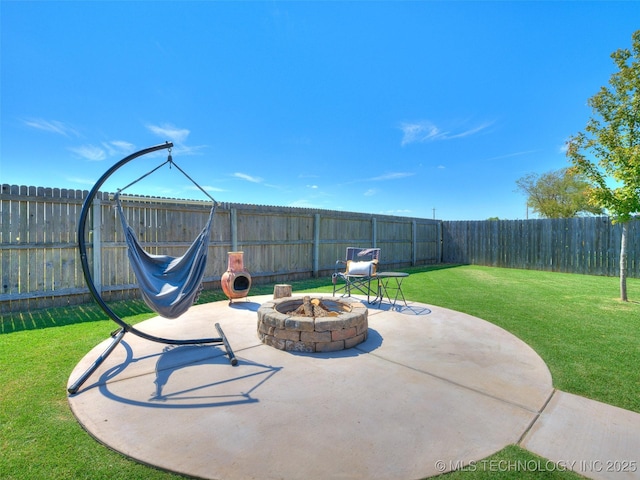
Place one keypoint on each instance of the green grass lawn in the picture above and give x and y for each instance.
(588, 338)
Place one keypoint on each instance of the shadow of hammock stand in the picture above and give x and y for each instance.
(151, 271)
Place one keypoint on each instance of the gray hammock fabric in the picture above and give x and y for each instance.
(169, 285)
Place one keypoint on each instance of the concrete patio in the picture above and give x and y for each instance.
(431, 390)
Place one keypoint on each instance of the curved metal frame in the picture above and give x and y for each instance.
(124, 326)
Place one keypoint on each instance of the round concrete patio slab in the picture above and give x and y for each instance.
(430, 390)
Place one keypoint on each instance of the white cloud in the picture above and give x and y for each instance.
(392, 176)
(177, 136)
(118, 147)
(169, 132)
(90, 152)
(95, 153)
(53, 126)
(371, 192)
(425, 131)
(188, 150)
(248, 178)
(419, 132)
(467, 133)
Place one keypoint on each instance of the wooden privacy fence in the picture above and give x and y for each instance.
(586, 245)
(40, 264)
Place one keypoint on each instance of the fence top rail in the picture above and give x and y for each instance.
(158, 200)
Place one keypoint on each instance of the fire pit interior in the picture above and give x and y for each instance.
(312, 324)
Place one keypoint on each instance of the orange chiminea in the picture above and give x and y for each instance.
(236, 281)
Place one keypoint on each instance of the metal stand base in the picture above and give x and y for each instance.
(119, 334)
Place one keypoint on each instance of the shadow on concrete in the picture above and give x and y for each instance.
(248, 375)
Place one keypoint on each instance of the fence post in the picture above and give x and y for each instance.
(414, 242)
(233, 215)
(440, 240)
(316, 244)
(374, 232)
(96, 241)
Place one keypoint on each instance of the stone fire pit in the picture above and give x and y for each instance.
(312, 324)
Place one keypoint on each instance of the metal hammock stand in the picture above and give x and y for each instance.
(117, 335)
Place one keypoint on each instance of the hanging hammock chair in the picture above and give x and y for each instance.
(169, 285)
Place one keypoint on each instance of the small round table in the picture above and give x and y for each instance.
(390, 283)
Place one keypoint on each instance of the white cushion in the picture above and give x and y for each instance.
(361, 268)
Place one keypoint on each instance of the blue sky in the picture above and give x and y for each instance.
(403, 107)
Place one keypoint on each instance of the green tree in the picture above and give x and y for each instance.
(608, 152)
(557, 194)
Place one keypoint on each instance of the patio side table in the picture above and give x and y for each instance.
(390, 284)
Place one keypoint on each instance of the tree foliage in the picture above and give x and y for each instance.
(608, 152)
(557, 194)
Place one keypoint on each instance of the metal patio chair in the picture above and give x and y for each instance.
(357, 271)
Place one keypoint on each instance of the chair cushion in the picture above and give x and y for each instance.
(361, 268)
